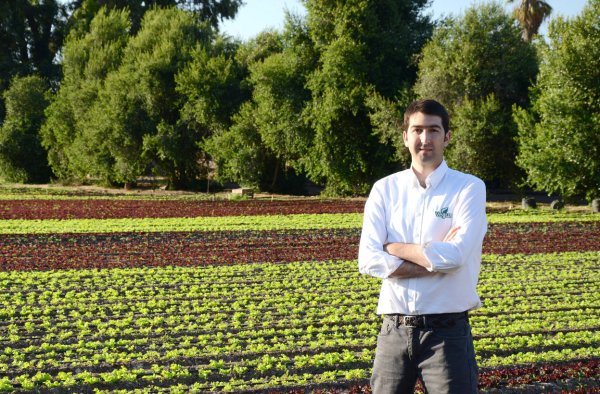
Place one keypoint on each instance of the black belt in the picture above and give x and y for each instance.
(437, 320)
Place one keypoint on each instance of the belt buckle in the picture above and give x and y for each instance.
(410, 321)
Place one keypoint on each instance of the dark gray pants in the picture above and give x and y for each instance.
(443, 358)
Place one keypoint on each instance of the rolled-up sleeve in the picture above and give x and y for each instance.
(470, 217)
(372, 259)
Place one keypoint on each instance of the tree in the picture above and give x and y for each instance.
(280, 97)
(531, 14)
(386, 116)
(364, 46)
(22, 158)
(137, 105)
(211, 85)
(77, 149)
(310, 90)
(31, 34)
(480, 128)
(559, 137)
(211, 11)
(474, 55)
(479, 61)
(240, 151)
(138, 112)
(269, 135)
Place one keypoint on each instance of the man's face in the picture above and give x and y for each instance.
(426, 140)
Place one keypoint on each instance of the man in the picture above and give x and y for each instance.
(422, 234)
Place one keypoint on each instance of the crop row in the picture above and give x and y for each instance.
(60, 207)
(254, 326)
(146, 337)
(205, 223)
(503, 277)
(113, 209)
(537, 379)
(112, 250)
(241, 223)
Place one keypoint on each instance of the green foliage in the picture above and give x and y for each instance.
(22, 158)
(76, 148)
(279, 97)
(211, 85)
(342, 132)
(5, 384)
(237, 150)
(321, 100)
(31, 33)
(212, 90)
(239, 153)
(211, 11)
(474, 55)
(386, 117)
(269, 139)
(149, 90)
(479, 61)
(130, 105)
(364, 46)
(559, 138)
(138, 109)
(482, 134)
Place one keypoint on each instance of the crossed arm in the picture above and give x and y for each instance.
(415, 263)
(409, 268)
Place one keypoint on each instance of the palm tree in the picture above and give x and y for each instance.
(531, 14)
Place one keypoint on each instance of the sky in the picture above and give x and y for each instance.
(257, 15)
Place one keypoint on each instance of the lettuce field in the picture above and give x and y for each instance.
(182, 295)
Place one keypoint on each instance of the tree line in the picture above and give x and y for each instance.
(110, 93)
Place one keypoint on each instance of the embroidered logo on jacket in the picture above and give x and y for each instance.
(443, 213)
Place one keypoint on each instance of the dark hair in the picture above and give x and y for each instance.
(428, 107)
